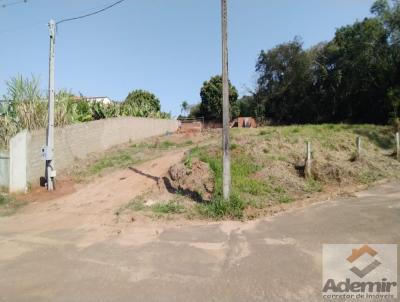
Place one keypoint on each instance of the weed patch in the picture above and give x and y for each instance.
(9, 205)
(368, 177)
(172, 207)
(219, 208)
(119, 160)
(313, 186)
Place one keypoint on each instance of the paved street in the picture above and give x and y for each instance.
(274, 259)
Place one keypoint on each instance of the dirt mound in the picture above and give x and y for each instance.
(195, 179)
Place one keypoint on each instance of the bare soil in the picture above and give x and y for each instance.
(89, 207)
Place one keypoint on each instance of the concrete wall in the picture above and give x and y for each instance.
(18, 163)
(78, 140)
(4, 169)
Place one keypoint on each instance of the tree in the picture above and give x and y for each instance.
(285, 77)
(353, 78)
(247, 106)
(141, 103)
(211, 99)
(194, 111)
(359, 71)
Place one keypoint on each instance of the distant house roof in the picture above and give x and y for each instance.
(103, 99)
(90, 97)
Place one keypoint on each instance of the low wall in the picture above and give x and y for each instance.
(78, 140)
(4, 169)
(18, 162)
(13, 165)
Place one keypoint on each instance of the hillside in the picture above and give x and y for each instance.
(268, 170)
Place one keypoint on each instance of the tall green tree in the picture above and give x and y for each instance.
(355, 72)
(211, 99)
(285, 78)
(353, 78)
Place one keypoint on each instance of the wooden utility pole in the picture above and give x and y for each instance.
(48, 152)
(225, 104)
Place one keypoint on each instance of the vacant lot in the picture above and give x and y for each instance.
(267, 173)
(268, 170)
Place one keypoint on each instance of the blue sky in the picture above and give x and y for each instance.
(169, 47)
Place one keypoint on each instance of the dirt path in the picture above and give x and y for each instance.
(90, 207)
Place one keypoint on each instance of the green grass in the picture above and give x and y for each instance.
(168, 144)
(218, 208)
(121, 159)
(284, 198)
(382, 137)
(9, 205)
(245, 187)
(138, 205)
(126, 156)
(313, 186)
(368, 177)
(172, 207)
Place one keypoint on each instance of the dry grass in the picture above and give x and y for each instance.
(268, 166)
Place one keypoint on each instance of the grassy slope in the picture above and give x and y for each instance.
(267, 166)
(267, 163)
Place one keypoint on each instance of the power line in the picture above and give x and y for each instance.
(90, 14)
(13, 3)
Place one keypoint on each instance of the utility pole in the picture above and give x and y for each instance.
(49, 150)
(225, 104)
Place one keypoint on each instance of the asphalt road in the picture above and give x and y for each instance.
(273, 259)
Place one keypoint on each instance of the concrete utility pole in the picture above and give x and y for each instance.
(308, 167)
(398, 145)
(225, 104)
(359, 147)
(49, 150)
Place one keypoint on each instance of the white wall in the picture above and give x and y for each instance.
(4, 169)
(18, 163)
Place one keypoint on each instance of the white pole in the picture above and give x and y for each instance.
(398, 145)
(49, 154)
(225, 104)
(308, 167)
(359, 147)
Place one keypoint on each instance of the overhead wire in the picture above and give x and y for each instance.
(61, 21)
(90, 14)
